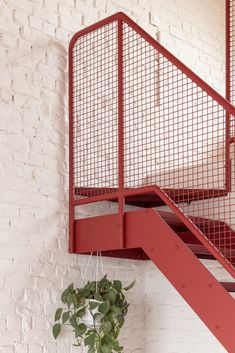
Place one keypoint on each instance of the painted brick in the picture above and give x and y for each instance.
(63, 35)
(20, 16)
(13, 323)
(34, 262)
(21, 348)
(7, 350)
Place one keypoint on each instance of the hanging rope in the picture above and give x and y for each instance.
(88, 263)
(99, 264)
(97, 271)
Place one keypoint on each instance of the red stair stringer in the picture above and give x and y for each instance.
(205, 295)
(147, 230)
(195, 230)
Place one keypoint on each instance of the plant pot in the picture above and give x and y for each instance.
(87, 319)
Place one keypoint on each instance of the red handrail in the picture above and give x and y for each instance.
(194, 77)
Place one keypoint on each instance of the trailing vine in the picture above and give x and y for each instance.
(105, 301)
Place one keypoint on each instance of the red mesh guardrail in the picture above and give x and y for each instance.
(140, 118)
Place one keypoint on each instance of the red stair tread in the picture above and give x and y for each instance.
(216, 231)
(211, 224)
(150, 199)
(229, 286)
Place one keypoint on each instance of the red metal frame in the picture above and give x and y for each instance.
(227, 51)
(228, 88)
(127, 30)
(71, 153)
(121, 197)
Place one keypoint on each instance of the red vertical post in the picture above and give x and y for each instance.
(121, 199)
(228, 97)
(71, 171)
(227, 52)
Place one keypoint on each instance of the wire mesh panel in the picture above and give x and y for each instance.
(175, 133)
(94, 85)
(176, 137)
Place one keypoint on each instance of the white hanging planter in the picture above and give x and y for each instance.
(87, 319)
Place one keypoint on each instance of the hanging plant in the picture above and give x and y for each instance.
(96, 314)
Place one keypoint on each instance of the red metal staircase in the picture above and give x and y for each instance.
(145, 131)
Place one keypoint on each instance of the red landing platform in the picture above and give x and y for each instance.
(151, 199)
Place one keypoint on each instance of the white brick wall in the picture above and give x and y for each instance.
(34, 263)
(171, 325)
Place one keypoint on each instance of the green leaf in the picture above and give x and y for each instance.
(91, 350)
(71, 287)
(91, 286)
(74, 300)
(93, 305)
(103, 279)
(96, 316)
(69, 299)
(90, 340)
(58, 314)
(64, 296)
(124, 308)
(104, 307)
(85, 293)
(106, 349)
(116, 310)
(116, 332)
(73, 321)
(81, 312)
(106, 327)
(121, 322)
(104, 282)
(130, 286)
(56, 330)
(112, 295)
(65, 316)
(113, 343)
(117, 285)
(98, 297)
(80, 330)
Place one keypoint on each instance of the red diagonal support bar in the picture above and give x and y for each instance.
(147, 230)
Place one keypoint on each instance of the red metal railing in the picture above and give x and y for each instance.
(142, 122)
(230, 51)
